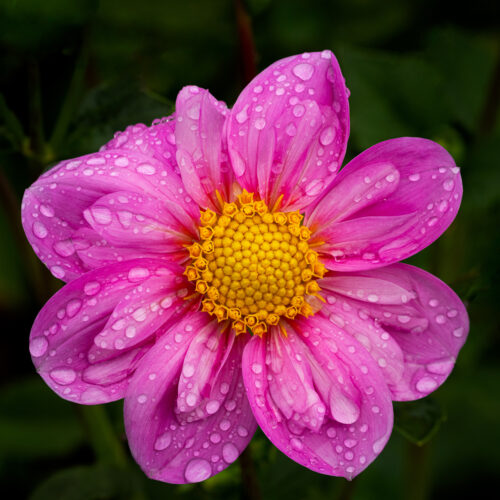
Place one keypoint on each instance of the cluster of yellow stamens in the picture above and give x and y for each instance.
(254, 265)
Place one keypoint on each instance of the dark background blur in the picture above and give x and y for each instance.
(73, 72)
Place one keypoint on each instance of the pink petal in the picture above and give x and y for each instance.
(412, 308)
(95, 252)
(156, 141)
(347, 379)
(53, 206)
(387, 204)
(205, 377)
(64, 330)
(288, 130)
(126, 219)
(140, 313)
(201, 153)
(347, 315)
(179, 451)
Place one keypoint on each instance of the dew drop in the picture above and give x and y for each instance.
(47, 210)
(296, 444)
(91, 288)
(142, 399)
(327, 136)
(230, 453)
(315, 187)
(212, 407)
(304, 71)
(57, 271)
(188, 370)
(130, 331)
(298, 110)
(63, 376)
(101, 215)
(414, 177)
(39, 230)
(138, 274)
(146, 169)
(38, 346)
(242, 431)
(426, 384)
(72, 307)
(260, 123)
(122, 161)
(448, 185)
(197, 470)
(64, 248)
(163, 442)
(257, 368)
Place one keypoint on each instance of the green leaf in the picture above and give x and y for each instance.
(96, 482)
(418, 420)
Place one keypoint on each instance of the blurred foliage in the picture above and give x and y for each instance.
(75, 72)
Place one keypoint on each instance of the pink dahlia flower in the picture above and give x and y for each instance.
(221, 273)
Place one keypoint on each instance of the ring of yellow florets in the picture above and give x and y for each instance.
(253, 266)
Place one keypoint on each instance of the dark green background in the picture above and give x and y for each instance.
(73, 72)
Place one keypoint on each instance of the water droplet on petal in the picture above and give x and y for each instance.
(197, 470)
(47, 210)
(146, 169)
(304, 71)
(163, 442)
(327, 136)
(426, 384)
(63, 376)
(448, 185)
(39, 230)
(257, 368)
(142, 399)
(57, 271)
(101, 215)
(230, 453)
(212, 407)
(64, 248)
(260, 123)
(91, 288)
(188, 370)
(38, 346)
(138, 274)
(72, 307)
(242, 431)
(315, 187)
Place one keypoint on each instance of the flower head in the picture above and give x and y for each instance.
(221, 272)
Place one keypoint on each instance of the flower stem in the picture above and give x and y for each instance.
(418, 479)
(73, 94)
(247, 44)
(107, 447)
(36, 134)
(251, 489)
(492, 103)
(347, 490)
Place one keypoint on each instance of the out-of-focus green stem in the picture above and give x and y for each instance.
(14, 128)
(251, 489)
(417, 483)
(347, 490)
(73, 94)
(107, 447)
(492, 102)
(247, 45)
(36, 134)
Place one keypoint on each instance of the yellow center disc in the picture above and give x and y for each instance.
(253, 265)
